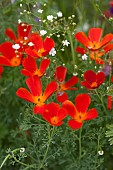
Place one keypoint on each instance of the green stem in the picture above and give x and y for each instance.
(72, 46)
(48, 145)
(80, 146)
(10, 155)
(100, 98)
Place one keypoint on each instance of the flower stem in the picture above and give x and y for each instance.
(16, 160)
(100, 98)
(48, 145)
(80, 146)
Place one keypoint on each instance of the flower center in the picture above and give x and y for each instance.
(80, 117)
(40, 51)
(54, 120)
(94, 84)
(39, 100)
(15, 61)
(37, 72)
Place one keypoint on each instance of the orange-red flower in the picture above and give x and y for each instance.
(35, 94)
(93, 41)
(63, 86)
(93, 80)
(79, 112)
(54, 114)
(31, 68)
(1, 70)
(40, 48)
(23, 31)
(9, 57)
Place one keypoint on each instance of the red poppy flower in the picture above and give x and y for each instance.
(35, 95)
(109, 102)
(9, 57)
(54, 114)
(1, 70)
(96, 55)
(31, 68)
(112, 79)
(23, 31)
(79, 112)
(40, 48)
(93, 80)
(60, 76)
(93, 41)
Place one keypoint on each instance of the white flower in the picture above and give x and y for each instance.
(22, 150)
(50, 17)
(52, 52)
(43, 32)
(65, 42)
(30, 44)
(40, 11)
(19, 21)
(84, 57)
(59, 14)
(101, 152)
(16, 46)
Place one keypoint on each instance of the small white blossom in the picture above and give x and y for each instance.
(25, 38)
(19, 21)
(40, 11)
(59, 14)
(22, 150)
(84, 57)
(16, 46)
(20, 5)
(52, 52)
(101, 152)
(43, 32)
(65, 42)
(30, 44)
(50, 17)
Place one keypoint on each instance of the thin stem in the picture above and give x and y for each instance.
(48, 145)
(11, 155)
(72, 47)
(80, 146)
(100, 98)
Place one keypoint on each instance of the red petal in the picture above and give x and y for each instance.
(90, 76)
(61, 97)
(82, 102)
(44, 64)
(60, 73)
(80, 50)
(91, 114)
(30, 64)
(31, 52)
(21, 30)
(95, 34)
(9, 32)
(84, 83)
(108, 47)
(74, 124)
(70, 107)
(62, 114)
(83, 39)
(35, 86)
(25, 94)
(36, 39)
(48, 44)
(4, 61)
(106, 39)
(26, 72)
(70, 83)
(39, 109)
(50, 89)
(10, 52)
(112, 79)
(100, 78)
(109, 102)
